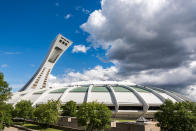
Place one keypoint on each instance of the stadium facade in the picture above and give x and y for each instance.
(126, 100)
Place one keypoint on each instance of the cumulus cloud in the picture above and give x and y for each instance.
(79, 8)
(150, 42)
(67, 16)
(80, 48)
(178, 76)
(172, 79)
(86, 11)
(97, 73)
(153, 34)
(190, 91)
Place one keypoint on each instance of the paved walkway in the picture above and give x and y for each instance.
(12, 129)
(16, 129)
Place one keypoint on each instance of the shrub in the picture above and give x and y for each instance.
(24, 109)
(6, 111)
(47, 114)
(70, 109)
(94, 116)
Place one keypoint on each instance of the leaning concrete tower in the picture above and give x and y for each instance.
(40, 78)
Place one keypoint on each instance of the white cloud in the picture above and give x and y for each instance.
(79, 8)
(67, 16)
(12, 53)
(190, 91)
(4, 66)
(158, 77)
(155, 78)
(151, 42)
(80, 48)
(96, 20)
(132, 31)
(16, 87)
(86, 11)
(97, 73)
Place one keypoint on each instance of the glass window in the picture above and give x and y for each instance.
(55, 54)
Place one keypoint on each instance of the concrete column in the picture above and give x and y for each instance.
(45, 94)
(144, 103)
(88, 94)
(113, 94)
(154, 92)
(66, 92)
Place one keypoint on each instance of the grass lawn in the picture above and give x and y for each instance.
(35, 127)
(124, 120)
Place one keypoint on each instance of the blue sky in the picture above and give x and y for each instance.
(27, 29)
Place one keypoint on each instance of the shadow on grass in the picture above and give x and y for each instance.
(35, 127)
(31, 126)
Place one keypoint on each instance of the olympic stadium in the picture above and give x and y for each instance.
(126, 100)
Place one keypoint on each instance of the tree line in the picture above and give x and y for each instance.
(91, 115)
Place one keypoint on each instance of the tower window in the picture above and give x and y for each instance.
(55, 54)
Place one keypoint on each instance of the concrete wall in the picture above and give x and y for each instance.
(116, 126)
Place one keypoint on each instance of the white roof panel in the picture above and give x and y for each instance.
(100, 97)
(167, 97)
(33, 97)
(150, 98)
(127, 98)
(77, 97)
(53, 96)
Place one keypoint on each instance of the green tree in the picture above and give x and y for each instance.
(6, 112)
(179, 116)
(70, 109)
(5, 109)
(47, 114)
(24, 109)
(5, 93)
(94, 116)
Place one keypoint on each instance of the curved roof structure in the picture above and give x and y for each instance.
(120, 97)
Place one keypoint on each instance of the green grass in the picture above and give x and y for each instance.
(35, 127)
(126, 120)
(119, 120)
